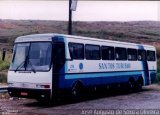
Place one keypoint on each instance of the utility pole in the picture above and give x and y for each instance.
(72, 7)
(158, 11)
(70, 19)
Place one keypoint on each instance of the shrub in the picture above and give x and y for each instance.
(3, 77)
(4, 65)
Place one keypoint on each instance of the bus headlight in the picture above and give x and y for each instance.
(43, 86)
(10, 84)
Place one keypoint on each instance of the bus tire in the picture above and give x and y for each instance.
(77, 91)
(131, 86)
(139, 84)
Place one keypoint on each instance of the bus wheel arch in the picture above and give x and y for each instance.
(131, 85)
(139, 84)
(77, 89)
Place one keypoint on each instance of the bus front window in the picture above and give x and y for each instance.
(32, 56)
(39, 56)
(20, 53)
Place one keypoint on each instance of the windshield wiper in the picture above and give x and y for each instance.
(25, 63)
(20, 65)
(32, 67)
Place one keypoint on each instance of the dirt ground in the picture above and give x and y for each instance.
(145, 102)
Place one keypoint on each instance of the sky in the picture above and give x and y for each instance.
(86, 10)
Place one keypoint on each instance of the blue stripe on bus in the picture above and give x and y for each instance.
(92, 79)
(92, 75)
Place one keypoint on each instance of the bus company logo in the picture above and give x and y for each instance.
(114, 66)
(81, 66)
(72, 68)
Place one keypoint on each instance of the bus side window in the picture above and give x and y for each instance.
(107, 52)
(141, 55)
(76, 51)
(121, 53)
(151, 55)
(92, 52)
(132, 54)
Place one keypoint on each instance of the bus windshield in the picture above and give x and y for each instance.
(34, 56)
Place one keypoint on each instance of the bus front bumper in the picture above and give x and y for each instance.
(30, 93)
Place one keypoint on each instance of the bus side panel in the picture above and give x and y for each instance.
(99, 72)
(102, 72)
(104, 78)
(94, 79)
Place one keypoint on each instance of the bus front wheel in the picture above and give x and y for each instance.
(77, 91)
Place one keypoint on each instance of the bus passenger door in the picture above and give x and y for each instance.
(58, 64)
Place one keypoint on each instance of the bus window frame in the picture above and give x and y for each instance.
(119, 59)
(70, 51)
(112, 55)
(154, 55)
(100, 57)
(136, 54)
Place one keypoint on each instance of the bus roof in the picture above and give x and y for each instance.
(49, 37)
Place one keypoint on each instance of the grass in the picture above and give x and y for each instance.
(3, 77)
(4, 65)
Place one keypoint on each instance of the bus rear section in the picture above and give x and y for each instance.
(98, 64)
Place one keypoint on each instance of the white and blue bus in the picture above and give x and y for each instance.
(44, 66)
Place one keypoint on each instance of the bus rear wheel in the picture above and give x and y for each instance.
(131, 86)
(139, 85)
